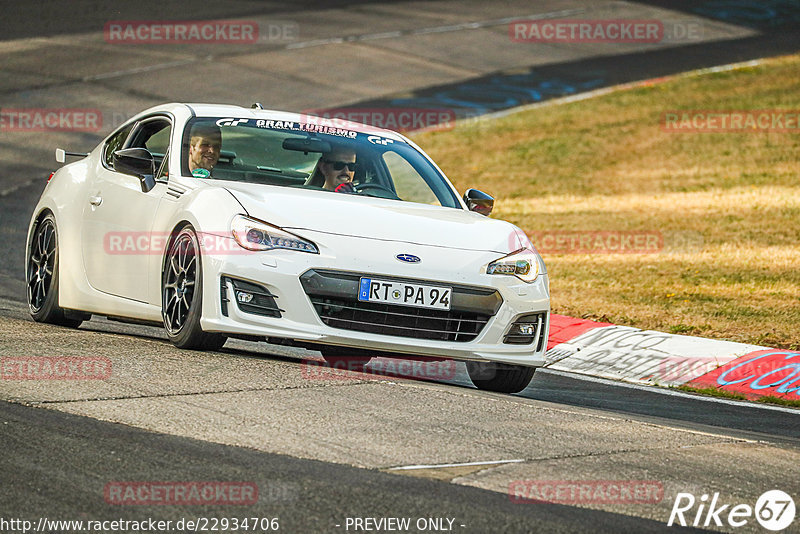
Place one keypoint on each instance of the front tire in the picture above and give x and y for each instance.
(182, 295)
(499, 377)
(42, 276)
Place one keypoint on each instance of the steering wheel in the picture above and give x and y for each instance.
(364, 188)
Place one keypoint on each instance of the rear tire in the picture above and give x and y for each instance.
(41, 276)
(182, 295)
(500, 377)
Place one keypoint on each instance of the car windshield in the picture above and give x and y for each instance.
(294, 154)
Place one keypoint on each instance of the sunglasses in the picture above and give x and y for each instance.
(339, 165)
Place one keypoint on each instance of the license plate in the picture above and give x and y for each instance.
(405, 294)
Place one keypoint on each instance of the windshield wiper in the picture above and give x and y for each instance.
(269, 169)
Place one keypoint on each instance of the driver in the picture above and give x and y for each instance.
(338, 167)
(205, 143)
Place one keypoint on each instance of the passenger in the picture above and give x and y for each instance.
(335, 170)
(205, 143)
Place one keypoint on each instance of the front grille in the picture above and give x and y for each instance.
(403, 321)
(334, 296)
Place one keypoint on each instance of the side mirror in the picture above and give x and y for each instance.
(478, 201)
(137, 162)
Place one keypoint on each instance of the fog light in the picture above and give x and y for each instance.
(526, 329)
(243, 297)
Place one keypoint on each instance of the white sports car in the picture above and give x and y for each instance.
(220, 221)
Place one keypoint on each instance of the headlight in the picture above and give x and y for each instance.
(257, 235)
(524, 264)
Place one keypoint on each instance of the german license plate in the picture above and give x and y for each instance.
(405, 294)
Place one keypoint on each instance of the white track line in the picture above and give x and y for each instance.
(466, 464)
(675, 393)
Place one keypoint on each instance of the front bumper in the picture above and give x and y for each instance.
(300, 287)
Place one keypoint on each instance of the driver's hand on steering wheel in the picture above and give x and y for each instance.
(346, 187)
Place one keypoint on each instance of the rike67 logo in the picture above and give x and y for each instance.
(774, 510)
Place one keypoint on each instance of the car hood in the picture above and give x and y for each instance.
(374, 218)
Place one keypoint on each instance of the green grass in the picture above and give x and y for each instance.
(712, 392)
(727, 204)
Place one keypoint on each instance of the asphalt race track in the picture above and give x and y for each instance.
(321, 448)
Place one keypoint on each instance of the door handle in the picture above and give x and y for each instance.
(96, 200)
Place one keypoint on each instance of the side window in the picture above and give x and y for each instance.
(115, 143)
(154, 135)
(158, 143)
